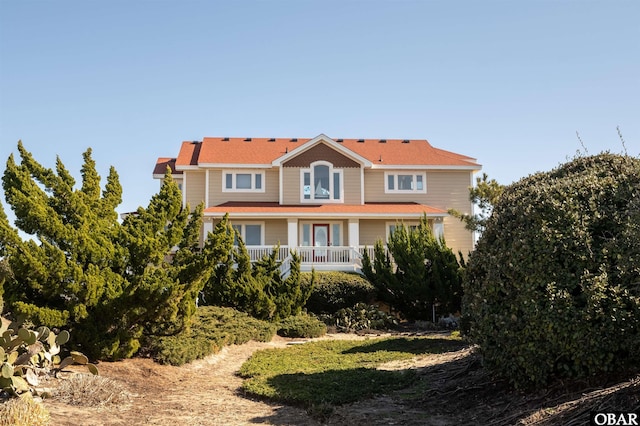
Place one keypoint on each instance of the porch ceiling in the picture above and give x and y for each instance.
(364, 211)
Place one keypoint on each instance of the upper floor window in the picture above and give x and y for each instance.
(243, 181)
(321, 183)
(401, 182)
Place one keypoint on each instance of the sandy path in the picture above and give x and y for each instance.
(205, 392)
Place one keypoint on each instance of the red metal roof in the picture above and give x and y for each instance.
(218, 150)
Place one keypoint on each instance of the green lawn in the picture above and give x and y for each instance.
(336, 371)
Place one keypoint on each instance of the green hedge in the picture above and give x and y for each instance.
(302, 326)
(553, 288)
(211, 329)
(333, 291)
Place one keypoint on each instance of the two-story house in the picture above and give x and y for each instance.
(327, 199)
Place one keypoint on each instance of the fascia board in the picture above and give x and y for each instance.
(424, 167)
(235, 166)
(310, 215)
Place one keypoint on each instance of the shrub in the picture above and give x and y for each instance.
(182, 349)
(304, 326)
(210, 330)
(23, 411)
(418, 272)
(552, 287)
(91, 391)
(333, 291)
(361, 317)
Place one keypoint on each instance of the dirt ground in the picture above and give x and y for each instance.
(207, 392)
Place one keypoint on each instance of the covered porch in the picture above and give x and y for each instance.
(326, 237)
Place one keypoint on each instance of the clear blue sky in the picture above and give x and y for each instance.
(507, 82)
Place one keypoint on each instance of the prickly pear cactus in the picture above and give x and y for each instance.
(26, 355)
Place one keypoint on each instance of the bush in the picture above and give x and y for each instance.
(23, 411)
(333, 291)
(552, 288)
(361, 317)
(417, 273)
(91, 391)
(304, 326)
(211, 329)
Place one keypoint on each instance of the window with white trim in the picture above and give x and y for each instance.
(252, 233)
(321, 183)
(242, 181)
(405, 182)
(391, 226)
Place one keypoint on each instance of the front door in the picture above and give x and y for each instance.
(320, 239)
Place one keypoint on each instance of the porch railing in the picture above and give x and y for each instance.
(336, 255)
(258, 252)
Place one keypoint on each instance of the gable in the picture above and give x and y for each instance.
(324, 152)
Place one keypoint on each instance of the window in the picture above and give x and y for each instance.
(391, 227)
(321, 183)
(252, 233)
(237, 181)
(405, 183)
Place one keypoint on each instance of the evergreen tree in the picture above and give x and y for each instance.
(110, 283)
(257, 289)
(417, 272)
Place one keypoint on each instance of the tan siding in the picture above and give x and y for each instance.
(291, 183)
(215, 187)
(457, 237)
(275, 232)
(217, 197)
(195, 187)
(373, 186)
(351, 186)
(449, 189)
(371, 231)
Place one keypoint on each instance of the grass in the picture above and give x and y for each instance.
(335, 371)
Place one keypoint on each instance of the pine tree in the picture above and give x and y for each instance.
(424, 272)
(257, 289)
(111, 284)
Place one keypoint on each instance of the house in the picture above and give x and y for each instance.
(327, 199)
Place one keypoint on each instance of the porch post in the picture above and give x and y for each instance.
(292, 233)
(354, 233)
(438, 227)
(207, 227)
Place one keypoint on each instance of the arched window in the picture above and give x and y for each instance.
(321, 183)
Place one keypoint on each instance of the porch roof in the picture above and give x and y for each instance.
(365, 211)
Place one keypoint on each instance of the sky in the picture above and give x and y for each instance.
(520, 85)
